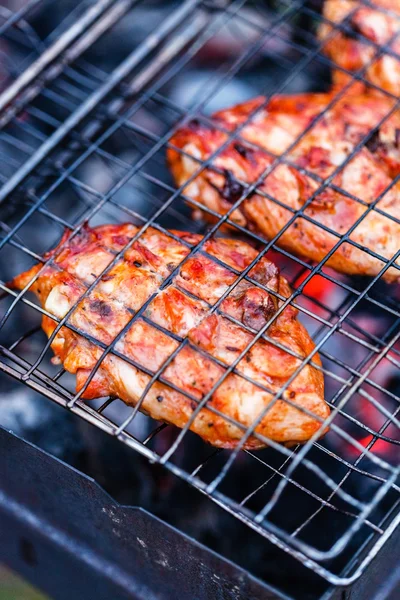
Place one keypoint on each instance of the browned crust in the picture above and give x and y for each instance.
(327, 144)
(130, 282)
(374, 26)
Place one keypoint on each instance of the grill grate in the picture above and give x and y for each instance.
(82, 143)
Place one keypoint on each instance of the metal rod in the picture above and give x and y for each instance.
(62, 396)
(18, 15)
(272, 533)
(63, 42)
(138, 82)
(110, 16)
(151, 42)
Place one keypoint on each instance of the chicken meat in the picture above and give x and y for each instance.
(318, 134)
(204, 341)
(359, 35)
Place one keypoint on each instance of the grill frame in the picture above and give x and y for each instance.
(60, 568)
(33, 377)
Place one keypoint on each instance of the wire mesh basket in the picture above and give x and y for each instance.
(83, 144)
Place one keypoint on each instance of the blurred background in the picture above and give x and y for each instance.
(13, 587)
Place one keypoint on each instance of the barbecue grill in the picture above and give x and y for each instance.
(92, 93)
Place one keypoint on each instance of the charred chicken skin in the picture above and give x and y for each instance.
(182, 311)
(315, 147)
(354, 32)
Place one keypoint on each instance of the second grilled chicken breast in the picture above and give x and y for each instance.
(319, 147)
(356, 32)
(212, 339)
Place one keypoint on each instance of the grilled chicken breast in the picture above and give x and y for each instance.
(355, 35)
(314, 148)
(211, 339)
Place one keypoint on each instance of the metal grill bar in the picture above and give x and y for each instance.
(59, 46)
(88, 414)
(113, 117)
(285, 161)
(324, 370)
(344, 382)
(85, 109)
(63, 44)
(254, 235)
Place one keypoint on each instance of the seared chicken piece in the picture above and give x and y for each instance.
(356, 43)
(284, 188)
(182, 310)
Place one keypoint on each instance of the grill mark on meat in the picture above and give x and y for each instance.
(195, 124)
(397, 138)
(374, 142)
(121, 240)
(256, 306)
(351, 50)
(257, 314)
(334, 141)
(101, 307)
(244, 151)
(353, 30)
(232, 189)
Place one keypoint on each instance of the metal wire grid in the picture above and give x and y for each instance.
(95, 204)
